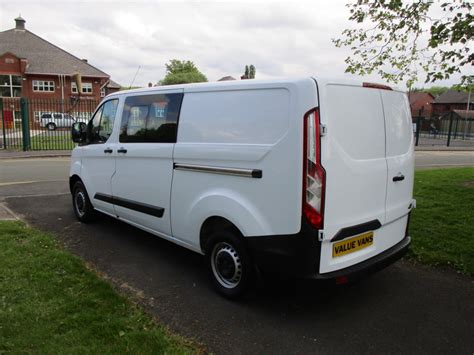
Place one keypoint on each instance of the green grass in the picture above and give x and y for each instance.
(51, 303)
(442, 225)
(57, 142)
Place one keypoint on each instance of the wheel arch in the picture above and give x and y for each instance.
(212, 224)
(72, 180)
(219, 207)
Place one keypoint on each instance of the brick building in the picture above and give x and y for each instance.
(421, 102)
(452, 100)
(34, 68)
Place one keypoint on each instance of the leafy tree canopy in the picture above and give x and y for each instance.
(182, 72)
(399, 39)
(434, 90)
(249, 72)
(252, 71)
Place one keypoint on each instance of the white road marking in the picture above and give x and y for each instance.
(10, 183)
(26, 160)
(36, 195)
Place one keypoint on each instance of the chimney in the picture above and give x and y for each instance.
(20, 23)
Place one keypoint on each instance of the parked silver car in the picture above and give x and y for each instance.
(53, 120)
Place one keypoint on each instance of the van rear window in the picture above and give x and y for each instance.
(150, 118)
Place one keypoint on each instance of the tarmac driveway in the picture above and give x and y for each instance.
(403, 309)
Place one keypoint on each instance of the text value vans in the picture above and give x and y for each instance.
(307, 177)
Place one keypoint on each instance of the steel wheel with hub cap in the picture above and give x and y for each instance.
(81, 203)
(229, 263)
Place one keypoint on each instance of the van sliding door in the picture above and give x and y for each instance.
(141, 184)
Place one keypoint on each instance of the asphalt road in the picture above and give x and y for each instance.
(443, 159)
(33, 170)
(405, 308)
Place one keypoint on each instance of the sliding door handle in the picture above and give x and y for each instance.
(399, 177)
(122, 150)
(108, 150)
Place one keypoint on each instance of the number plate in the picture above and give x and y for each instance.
(353, 244)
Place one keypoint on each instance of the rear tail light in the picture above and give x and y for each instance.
(314, 175)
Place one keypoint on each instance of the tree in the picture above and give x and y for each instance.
(397, 39)
(249, 72)
(252, 71)
(436, 90)
(182, 72)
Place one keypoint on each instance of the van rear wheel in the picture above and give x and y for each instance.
(229, 263)
(81, 203)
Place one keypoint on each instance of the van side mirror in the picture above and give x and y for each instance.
(78, 132)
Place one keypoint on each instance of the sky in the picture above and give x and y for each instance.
(291, 38)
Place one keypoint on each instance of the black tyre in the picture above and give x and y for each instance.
(81, 204)
(51, 126)
(229, 263)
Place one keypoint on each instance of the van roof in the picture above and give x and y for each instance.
(239, 84)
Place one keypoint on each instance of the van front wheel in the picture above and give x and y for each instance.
(81, 203)
(229, 263)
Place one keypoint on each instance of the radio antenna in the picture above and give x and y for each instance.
(135, 77)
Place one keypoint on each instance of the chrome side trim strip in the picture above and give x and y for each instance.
(251, 173)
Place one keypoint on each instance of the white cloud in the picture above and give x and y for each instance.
(280, 38)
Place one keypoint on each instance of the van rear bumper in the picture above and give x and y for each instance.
(298, 255)
(371, 265)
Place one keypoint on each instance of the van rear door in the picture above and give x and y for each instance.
(353, 155)
(399, 152)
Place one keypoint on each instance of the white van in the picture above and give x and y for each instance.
(306, 177)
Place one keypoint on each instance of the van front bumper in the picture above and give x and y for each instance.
(298, 255)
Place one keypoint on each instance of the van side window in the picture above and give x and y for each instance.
(151, 118)
(101, 125)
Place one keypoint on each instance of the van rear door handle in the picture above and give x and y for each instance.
(122, 150)
(399, 177)
(108, 150)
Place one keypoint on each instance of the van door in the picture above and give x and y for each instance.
(353, 156)
(141, 184)
(98, 156)
(399, 152)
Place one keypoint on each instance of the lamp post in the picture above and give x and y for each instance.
(467, 111)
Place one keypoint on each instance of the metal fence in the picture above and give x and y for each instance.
(449, 129)
(41, 124)
(45, 124)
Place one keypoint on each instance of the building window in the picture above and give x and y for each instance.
(9, 61)
(86, 88)
(43, 85)
(102, 92)
(10, 85)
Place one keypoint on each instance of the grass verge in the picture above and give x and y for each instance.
(57, 141)
(442, 225)
(50, 303)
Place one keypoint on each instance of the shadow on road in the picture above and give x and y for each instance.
(404, 308)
